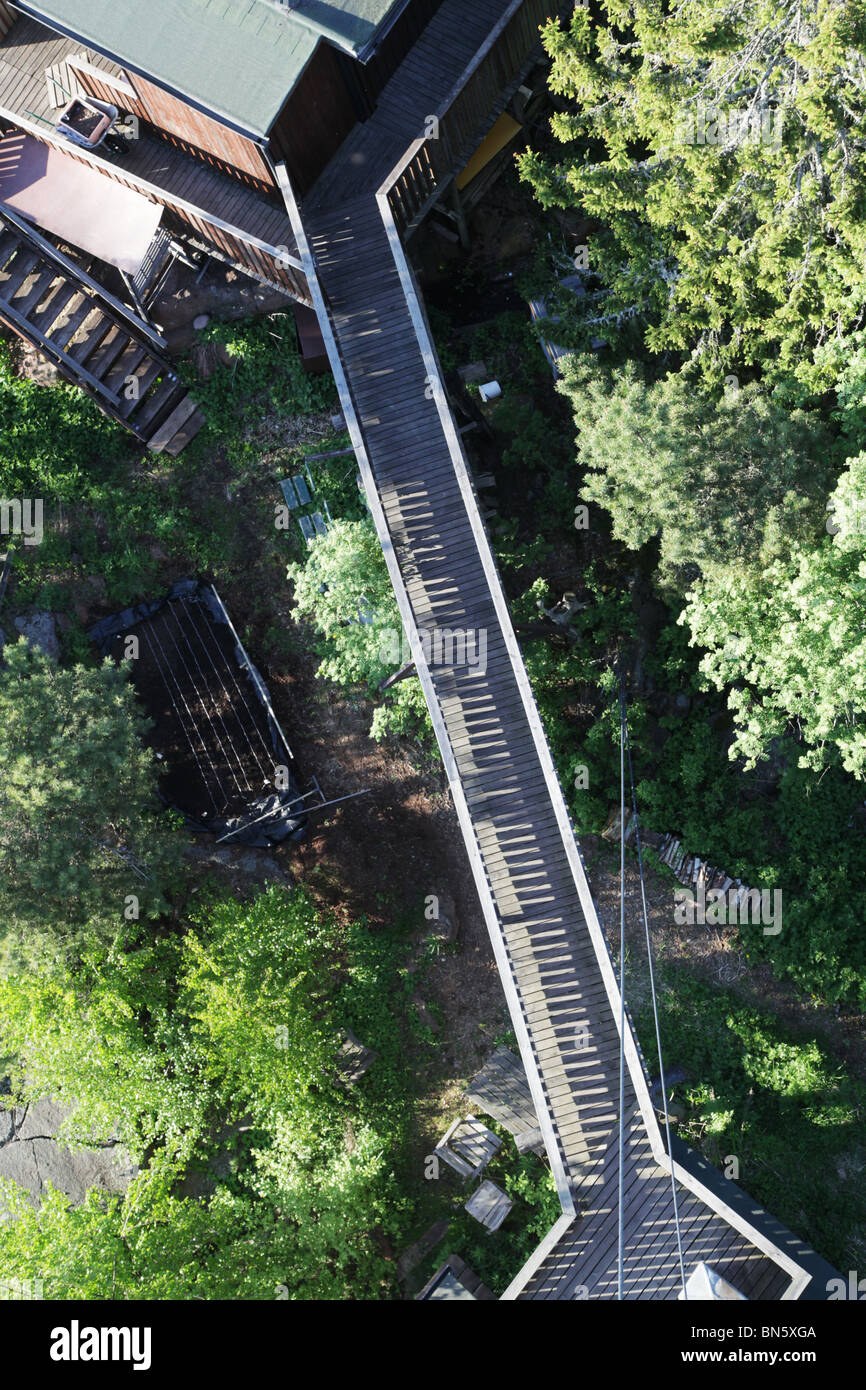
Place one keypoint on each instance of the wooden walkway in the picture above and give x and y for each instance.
(553, 959)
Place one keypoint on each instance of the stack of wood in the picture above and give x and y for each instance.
(692, 871)
(689, 869)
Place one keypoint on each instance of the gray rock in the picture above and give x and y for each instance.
(41, 631)
(7, 1119)
(445, 928)
(43, 1118)
(32, 1156)
(257, 863)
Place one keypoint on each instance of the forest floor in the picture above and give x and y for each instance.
(398, 843)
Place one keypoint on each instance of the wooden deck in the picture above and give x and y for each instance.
(211, 202)
(583, 1264)
(502, 1091)
(553, 959)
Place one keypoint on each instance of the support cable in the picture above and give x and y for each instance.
(620, 1277)
(651, 966)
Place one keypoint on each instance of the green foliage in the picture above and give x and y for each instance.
(266, 376)
(498, 1256)
(774, 1100)
(106, 1040)
(344, 591)
(574, 688)
(256, 983)
(80, 828)
(727, 241)
(788, 641)
(50, 438)
(723, 482)
(801, 836)
(337, 480)
(215, 1056)
(232, 1244)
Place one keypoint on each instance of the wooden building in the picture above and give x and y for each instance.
(212, 98)
(220, 92)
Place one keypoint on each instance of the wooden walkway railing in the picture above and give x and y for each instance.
(454, 132)
(552, 956)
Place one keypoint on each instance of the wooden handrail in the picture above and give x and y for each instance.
(433, 161)
(47, 248)
(452, 96)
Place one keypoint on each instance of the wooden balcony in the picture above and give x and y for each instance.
(246, 227)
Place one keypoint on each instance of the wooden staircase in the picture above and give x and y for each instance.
(93, 339)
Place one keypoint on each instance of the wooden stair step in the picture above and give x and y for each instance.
(46, 317)
(188, 430)
(146, 374)
(94, 335)
(158, 406)
(170, 427)
(39, 287)
(9, 243)
(124, 367)
(16, 272)
(115, 342)
(67, 335)
(70, 321)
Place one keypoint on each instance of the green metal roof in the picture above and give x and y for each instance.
(237, 58)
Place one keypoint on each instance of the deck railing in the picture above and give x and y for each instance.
(455, 131)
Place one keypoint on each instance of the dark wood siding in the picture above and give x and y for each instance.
(335, 93)
(7, 18)
(396, 44)
(185, 127)
(314, 121)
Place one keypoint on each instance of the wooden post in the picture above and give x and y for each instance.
(462, 224)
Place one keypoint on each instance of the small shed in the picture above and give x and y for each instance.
(455, 1282)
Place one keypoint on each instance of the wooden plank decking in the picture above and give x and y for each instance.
(211, 201)
(551, 953)
(502, 1091)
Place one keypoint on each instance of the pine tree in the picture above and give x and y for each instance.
(720, 147)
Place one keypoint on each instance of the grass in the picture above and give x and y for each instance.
(777, 1102)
